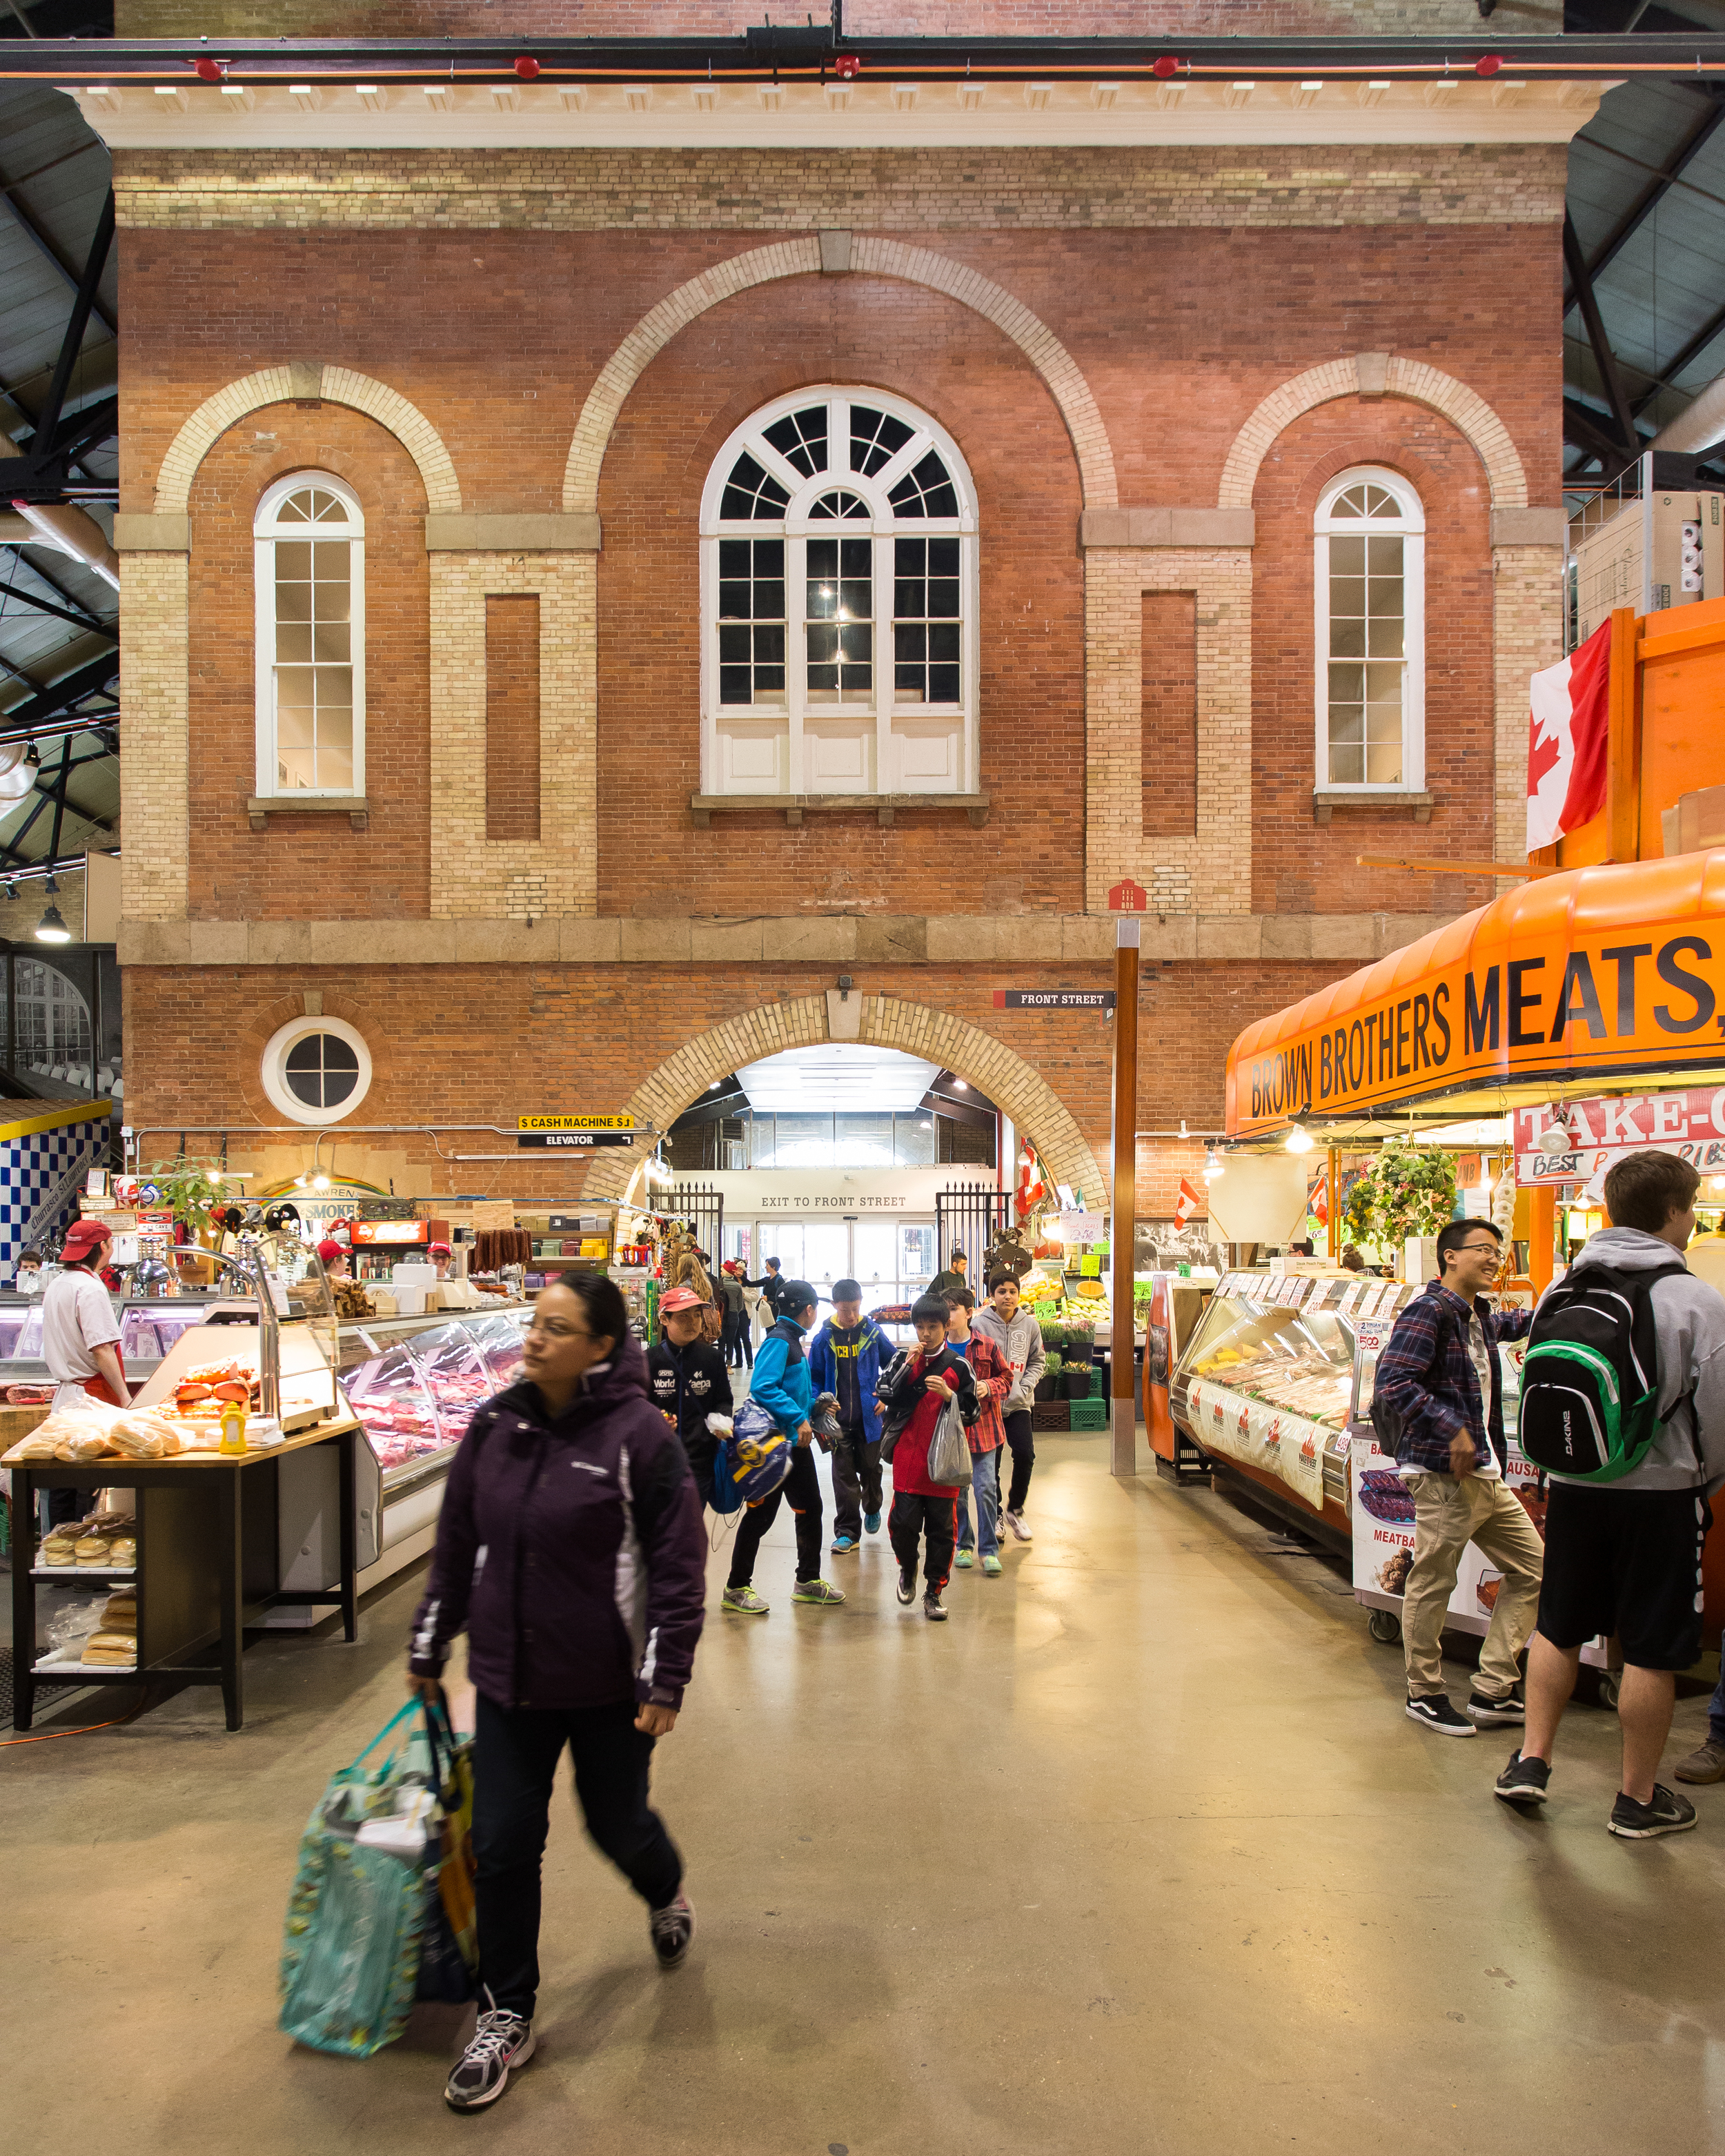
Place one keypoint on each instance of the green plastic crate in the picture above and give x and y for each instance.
(1089, 1415)
(1096, 1381)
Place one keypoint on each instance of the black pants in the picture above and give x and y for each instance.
(516, 1753)
(703, 1451)
(739, 1349)
(1023, 1457)
(856, 1480)
(802, 1487)
(913, 1519)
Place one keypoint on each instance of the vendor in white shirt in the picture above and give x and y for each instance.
(81, 1334)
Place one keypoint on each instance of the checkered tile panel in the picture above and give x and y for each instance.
(30, 1167)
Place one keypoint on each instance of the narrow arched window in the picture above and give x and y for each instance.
(1370, 584)
(838, 578)
(309, 541)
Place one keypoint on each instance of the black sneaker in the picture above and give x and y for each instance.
(1667, 1814)
(673, 1927)
(500, 2041)
(1487, 1712)
(1523, 1781)
(934, 1610)
(906, 1584)
(1435, 1711)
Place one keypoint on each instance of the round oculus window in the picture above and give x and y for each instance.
(317, 1070)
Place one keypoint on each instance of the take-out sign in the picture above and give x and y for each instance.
(1690, 1123)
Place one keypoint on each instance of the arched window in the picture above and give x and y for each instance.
(309, 539)
(1370, 585)
(838, 578)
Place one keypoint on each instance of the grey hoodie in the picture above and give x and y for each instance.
(1689, 1320)
(1020, 1342)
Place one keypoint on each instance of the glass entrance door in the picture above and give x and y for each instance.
(891, 1261)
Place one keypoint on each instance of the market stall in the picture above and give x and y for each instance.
(1572, 1021)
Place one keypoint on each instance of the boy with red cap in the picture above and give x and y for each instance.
(334, 1256)
(688, 1382)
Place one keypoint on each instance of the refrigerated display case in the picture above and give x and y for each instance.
(1268, 1385)
(149, 1326)
(415, 1382)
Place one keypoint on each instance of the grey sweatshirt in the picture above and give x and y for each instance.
(1020, 1342)
(1689, 1321)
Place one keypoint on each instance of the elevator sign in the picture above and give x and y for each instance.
(569, 1141)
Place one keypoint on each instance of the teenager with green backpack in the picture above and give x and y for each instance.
(1623, 1405)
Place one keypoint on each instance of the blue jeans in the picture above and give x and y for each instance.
(1716, 1711)
(985, 1481)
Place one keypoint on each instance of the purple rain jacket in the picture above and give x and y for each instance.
(572, 1551)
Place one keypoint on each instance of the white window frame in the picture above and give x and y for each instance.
(266, 530)
(1411, 528)
(273, 1070)
(886, 723)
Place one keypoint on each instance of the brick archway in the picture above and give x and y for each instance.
(1375, 374)
(299, 379)
(801, 258)
(888, 1022)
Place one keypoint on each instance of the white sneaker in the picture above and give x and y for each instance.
(500, 2041)
(1021, 1526)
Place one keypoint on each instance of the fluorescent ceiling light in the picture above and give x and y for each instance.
(837, 1077)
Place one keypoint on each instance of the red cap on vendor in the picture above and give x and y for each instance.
(329, 1251)
(439, 1251)
(83, 1237)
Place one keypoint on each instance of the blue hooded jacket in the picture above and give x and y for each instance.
(872, 1349)
(780, 1380)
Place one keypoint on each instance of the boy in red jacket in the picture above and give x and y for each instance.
(912, 1394)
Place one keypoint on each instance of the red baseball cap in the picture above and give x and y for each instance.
(84, 1236)
(682, 1298)
(329, 1251)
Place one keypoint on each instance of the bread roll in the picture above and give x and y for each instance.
(88, 1441)
(122, 1550)
(35, 1446)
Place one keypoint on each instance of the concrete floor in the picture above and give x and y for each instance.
(1137, 1853)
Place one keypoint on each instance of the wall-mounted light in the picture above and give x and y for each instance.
(1214, 1165)
(1300, 1140)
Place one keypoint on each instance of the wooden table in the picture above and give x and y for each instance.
(208, 1561)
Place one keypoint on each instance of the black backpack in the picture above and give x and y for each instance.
(1387, 1423)
(1590, 1382)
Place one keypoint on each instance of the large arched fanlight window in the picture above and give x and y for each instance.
(838, 578)
(308, 542)
(1370, 585)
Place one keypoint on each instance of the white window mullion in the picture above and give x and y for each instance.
(971, 646)
(796, 679)
(885, 748)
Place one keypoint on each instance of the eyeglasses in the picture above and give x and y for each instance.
(553, 1330)
(1462, 1248)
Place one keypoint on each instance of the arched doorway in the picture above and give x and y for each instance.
(1019, 1089)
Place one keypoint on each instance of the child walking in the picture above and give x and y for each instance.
(913, 1392)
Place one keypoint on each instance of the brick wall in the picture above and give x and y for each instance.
(733, 359)
(1167, 681)
(480, 1045)
(1297, 866)
(314, 867)
(512, 715)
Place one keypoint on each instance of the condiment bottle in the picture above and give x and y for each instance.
(233, 1428)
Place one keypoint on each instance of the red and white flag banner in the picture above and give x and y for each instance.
(1032, 1190)
(1187, 1203)
(1565, 741)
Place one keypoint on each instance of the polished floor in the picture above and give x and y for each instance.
(1136, 1853)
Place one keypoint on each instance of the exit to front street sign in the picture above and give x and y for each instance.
(1100, 999)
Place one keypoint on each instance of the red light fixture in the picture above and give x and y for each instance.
(526, 68)
(1162, 69)
(847, 67)
(1488, 63)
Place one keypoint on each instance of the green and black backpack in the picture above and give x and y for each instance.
(1590, 1381)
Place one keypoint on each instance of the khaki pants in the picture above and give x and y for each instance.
(1448, 1515)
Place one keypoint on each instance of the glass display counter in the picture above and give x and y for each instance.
(149, 1326)
(415, 1382)
(1270, 1379)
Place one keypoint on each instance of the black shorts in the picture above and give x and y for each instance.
(1627, 1562)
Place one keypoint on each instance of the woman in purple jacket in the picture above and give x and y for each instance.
(570, 1548)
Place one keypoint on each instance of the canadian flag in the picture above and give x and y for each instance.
(1187, 1203)
(1032, 1190)
(1565, 741)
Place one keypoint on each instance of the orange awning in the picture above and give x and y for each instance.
(1606, 974)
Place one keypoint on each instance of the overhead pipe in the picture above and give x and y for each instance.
(1699, 425)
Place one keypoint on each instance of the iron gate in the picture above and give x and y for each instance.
(968, 1218)
(704, 1208)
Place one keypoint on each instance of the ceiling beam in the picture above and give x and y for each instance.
(50, 253)
(58, 588)
(1587, 429)
(60, 613)
(1713, 117)
(1604, 357)
(1687, 356)
(95, 677)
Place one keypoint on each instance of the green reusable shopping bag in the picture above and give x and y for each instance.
(350, 1957)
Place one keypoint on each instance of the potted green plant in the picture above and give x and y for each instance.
(188, 1187)
(1407, 1190)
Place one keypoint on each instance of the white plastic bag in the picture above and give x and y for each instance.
(949, 1449)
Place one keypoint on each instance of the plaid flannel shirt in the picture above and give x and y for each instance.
(1439, 1399)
